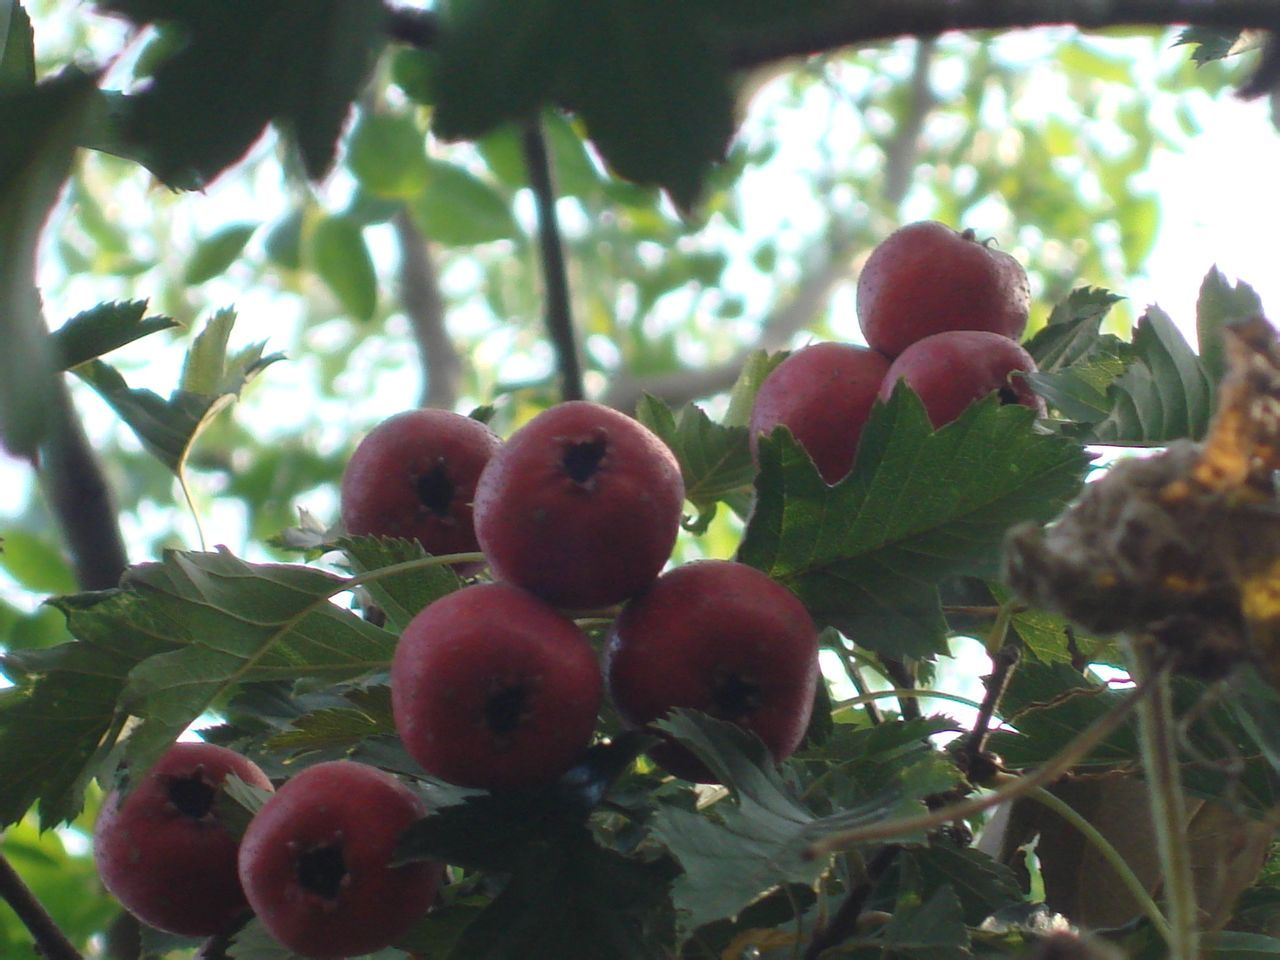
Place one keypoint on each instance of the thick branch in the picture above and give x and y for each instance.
(862, 21)
(903, 149)
(555, 278)
(424, 305)
(684, 385)
(77, 493)
(50, 941)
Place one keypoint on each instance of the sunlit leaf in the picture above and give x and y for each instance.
(341, 257)
(216, 252)
(104, 328)
(1221, 303)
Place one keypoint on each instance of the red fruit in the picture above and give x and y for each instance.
(315, 862)
(414, 476)
(823, 394)
(581, 506)
(164, 853)
(951, 370)
(491, 687)
(926, 278)
(723, 638)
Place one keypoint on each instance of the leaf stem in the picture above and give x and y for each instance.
(1080, 747)
(555, 278)
(845, 920)
(1108, 853)
(1158, 730)
(50, 941)
(916, 693)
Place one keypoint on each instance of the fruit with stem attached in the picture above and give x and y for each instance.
(949, 371)
(580, 506)
(315, 861)
(492, 687)
(925, 278)
(414, 476)
(723, 638)
(823, 394)
(163, 850)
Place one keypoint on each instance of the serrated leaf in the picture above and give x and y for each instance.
(298, 63)
(742, 398)
(236, 803)
(457, 208)
(104, 328)
(933, 930)
(237, 622)
(715, 461)
(1218, 305)
(1211, 43)
(32, 169)
(402, 596)
(17, 48)
(981, 884)
(866, 555)
(168, 428)
(1073, 331)
(387, 155)
(1164, 394)
(653, 89)
(341, 257)
(761, 839)
(216, 252)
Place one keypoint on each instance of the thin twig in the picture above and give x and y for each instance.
(1080, 747)
(1002, 666)
(845, 920)
(555, 278)
(902, 677)
(77, 493)
(424, 306)
(50, 941)
(1158, 730)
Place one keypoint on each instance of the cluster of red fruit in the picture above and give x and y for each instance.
(495, 685)
(940, 310)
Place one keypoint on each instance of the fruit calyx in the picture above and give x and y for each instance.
(193, 795)
(436, 489)
(507, 708)
(734, 696)
(322, 870)
(584, 458)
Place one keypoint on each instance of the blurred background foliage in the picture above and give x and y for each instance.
(411, 274)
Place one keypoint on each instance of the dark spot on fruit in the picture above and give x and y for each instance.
(192, 796)
(734, 696)
(506, 708)
(582, 460)
(321, 870)
(435, 489)
(1008, 395)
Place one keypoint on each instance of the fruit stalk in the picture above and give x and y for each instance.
(50, 941)
(1158, 732)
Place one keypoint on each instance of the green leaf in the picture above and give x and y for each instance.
(653, 89)
(401, 596)
(35, 564)
(715, 461)
(104, 328)
(298, 63)
(760, 841)
(981, 885)
(1220, 304)
(33, 167)
(491, 67)
(216, 252)
(369, 715)
(17, 48)
(1210, 43)
(211, 380)
(932, 930)
(1237, 945)
(387, 156)
(240, 623)
(742, 398)
(1072, 333)
(1164, 394)
(284, 240)
(457, 208)
(341, 258)
(866, 555)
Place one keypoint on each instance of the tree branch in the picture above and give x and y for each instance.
(424, 305)
(50, 941)
(901, 153)
(82, 503)
(555, 278)
(862, 21)
(844, 921)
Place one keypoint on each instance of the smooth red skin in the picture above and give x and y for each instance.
(823, 394)
(926, 278)
(580, 545)
(951, 370)
(171, 870)
(368, 809)
(379, 487)
(477, 641)
(698, 622)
